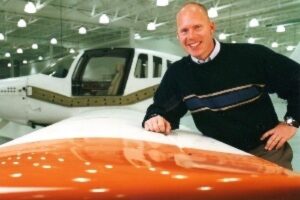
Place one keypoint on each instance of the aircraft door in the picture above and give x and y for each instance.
(102, 73)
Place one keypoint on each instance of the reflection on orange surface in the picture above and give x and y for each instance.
(106, 168)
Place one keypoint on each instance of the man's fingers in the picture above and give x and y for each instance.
(280, 143)
(168, 127)
(267, 134)
(157, 124)
(275, 141)
(161, 125)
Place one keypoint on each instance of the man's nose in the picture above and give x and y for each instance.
(191, 34)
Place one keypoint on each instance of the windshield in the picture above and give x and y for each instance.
(60, 68)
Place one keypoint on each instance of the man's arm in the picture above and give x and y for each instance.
(167, 109)
(283, 78)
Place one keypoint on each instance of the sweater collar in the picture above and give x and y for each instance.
(213, 54)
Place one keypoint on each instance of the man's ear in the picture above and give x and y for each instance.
(212, 27)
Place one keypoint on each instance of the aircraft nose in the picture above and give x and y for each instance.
(13, 99)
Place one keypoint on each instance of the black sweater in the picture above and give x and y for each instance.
(228, 96)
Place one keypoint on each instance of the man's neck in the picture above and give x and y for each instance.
(214, 52)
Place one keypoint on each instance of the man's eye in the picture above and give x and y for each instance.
(183, 31)
(198, 28)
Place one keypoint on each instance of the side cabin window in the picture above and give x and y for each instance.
(102, 73)
(157, 66)
(141, 69)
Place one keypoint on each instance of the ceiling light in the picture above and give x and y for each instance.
(24, 62)
(1, 36)
(8, 64)
(22, 23)
(104, 19)
(253, 22)
(212, 12)
(19, 50)
(274, 45)
(222, 36)
(290, 48)
(151, 26)
(72, 51)
(82, 30)
(280, 29)
(137, 36)
(40, 58)
(7, 55)
(30, 8)
(34, 46)
(251, 40)
(53, 41)
(162, 2)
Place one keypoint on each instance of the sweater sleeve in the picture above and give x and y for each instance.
(167, 101)
(283, 78)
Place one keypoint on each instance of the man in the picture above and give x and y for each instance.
(225, 87)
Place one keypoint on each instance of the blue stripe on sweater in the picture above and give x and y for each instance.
(223, 100)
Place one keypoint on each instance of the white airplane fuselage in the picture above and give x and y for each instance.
(49, 97)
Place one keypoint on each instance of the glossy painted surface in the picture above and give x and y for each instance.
(116, 168)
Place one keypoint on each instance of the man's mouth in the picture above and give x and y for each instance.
(193, 45)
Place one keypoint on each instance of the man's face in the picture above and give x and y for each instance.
(195, 31)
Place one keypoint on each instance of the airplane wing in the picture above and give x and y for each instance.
(100, 156)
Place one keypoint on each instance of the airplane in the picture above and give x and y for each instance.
(96, 148)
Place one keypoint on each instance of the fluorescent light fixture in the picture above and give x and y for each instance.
(7, 55)
(162, 2)
(137, 36)
(280, 29)
(274, 45)
(24, 62)
(34, 46)
(151, 26)
(82, 30)
(222, 36)
(104, 19)
(72, 51)
(22, 23)
(8, 64)
(251, 40)
(1, 36)
(53, 41)
(30, 8)
(212, 12)
(19, 51)
(253, 22)
(290, 48)
(40, 58)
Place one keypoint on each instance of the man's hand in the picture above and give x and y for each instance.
(158, 124)
(278, 136)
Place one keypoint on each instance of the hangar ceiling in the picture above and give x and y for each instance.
(61, 19)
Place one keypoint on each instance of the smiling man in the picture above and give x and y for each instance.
(226, 89)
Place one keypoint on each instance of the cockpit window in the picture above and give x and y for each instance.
(60, 68)
(102, 72)
(102, 75)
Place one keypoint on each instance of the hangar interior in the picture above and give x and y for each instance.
(35, 33)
